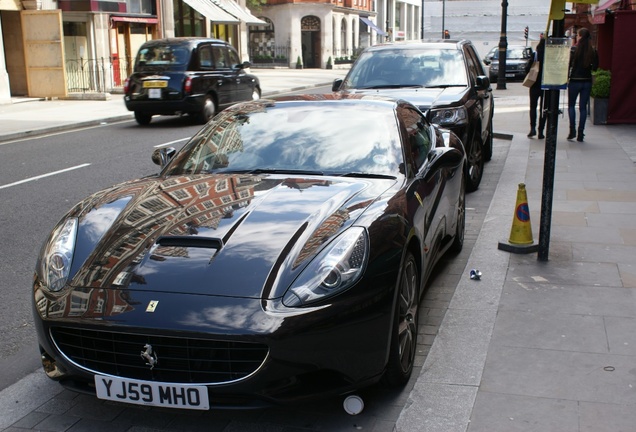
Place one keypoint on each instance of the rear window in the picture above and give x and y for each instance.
(163, 56)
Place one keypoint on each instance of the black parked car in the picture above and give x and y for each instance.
(280, 255)
(517, 58)
(445, 79)
(196, 76)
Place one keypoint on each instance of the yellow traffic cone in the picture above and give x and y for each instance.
(520, 240)
(521, 231)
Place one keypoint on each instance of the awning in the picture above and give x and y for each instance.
(231, 7)
(135, 19)
(599, 12)
(212, 12)
(371, 24)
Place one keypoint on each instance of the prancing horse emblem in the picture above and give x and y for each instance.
(150, 357)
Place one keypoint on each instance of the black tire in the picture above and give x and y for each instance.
(404, 334)
(143, 119)
(489, 143)
(208, 111)
(475, 168)
(256, 93)
(460, 229)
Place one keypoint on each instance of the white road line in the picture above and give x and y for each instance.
(172, 142)
(44, 175)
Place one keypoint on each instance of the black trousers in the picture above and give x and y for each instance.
(536, 95)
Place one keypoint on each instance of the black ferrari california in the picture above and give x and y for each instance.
(280, 255)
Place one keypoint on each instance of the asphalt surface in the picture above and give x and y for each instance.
(535, 345)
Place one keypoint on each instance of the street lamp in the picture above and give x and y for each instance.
(503, 47)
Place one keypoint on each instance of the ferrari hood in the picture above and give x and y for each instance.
(423, 98)
(223, 235)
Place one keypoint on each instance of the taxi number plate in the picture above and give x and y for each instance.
(150, 393)
(154, 93)
(155, 84)
(510, 75)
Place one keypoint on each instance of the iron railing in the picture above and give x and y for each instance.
(97, 75)
(267, 55)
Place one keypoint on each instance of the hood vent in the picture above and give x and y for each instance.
(190, 242)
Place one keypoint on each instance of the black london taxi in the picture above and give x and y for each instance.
(187, 75)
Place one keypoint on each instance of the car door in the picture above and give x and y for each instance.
(222, 76)
(424, 192)
(242, 85)
(483, 94)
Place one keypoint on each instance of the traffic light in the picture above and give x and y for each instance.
(525, 32)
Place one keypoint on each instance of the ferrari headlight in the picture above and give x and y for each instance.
(335, 269)
(58, 257)
(449, 116)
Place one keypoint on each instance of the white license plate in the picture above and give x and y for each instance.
(150, 393)
(510, 75)
(154, 93)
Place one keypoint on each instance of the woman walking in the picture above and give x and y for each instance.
(536, 93)
(583, 61)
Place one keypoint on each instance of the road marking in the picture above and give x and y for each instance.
(44, 175)
(172, 142)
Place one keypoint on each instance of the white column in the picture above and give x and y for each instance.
(5, 89)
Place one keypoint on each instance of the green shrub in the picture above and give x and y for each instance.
(601, 83)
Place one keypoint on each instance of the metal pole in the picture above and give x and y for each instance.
(549, 161)
(386, 29)
(503, 47)
(443, 17)
(422, 29)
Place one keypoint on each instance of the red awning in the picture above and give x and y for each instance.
(135, 19)
(599, 12)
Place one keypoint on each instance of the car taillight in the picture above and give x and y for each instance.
(187, 86)
(126, 85)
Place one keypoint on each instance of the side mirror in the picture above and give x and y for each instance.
(482, 82)
(487, 61)
(337, 83)
(162, 156)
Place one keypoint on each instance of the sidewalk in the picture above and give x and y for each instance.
(532, 346)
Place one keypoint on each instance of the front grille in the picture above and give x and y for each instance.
(179, 360)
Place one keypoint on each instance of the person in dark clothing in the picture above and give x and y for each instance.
(583, 61)
(536, 93)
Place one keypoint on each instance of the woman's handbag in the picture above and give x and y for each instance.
(533, 75)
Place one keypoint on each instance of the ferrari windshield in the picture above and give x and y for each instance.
(412, 67)
(311, 138)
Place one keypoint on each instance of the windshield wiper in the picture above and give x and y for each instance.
(367, 175)
(389, 86)
(275, 171)
(446, 85)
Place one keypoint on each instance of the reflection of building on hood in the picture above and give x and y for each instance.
(220, 161)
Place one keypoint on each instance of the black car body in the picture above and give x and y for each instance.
(445, 79)
(280, 255)
(189, 75)
(517, 58)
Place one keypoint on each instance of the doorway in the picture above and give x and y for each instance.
(310, 39)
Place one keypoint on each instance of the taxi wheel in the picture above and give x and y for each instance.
(208, 111)
(143, 119)
(256, 93)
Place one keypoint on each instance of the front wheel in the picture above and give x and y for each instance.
(256, 93)
(142, 119)
(404, 335)
(460, 227)
(475, 156)
(489, 143)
